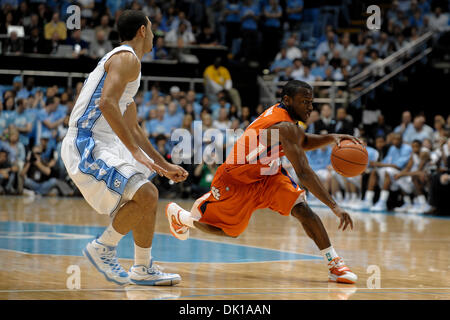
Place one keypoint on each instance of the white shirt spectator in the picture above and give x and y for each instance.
(438, 23)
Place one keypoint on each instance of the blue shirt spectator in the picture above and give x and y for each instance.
(234, 15)
(398, 156)
(320, 158)
(249, 16)
(270, 21)
(294, 4)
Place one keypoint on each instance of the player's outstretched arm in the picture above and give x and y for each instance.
(173, 172)
(291, 139)
(316, 141)
(121, 68)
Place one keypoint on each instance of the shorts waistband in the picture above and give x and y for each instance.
(74, 131)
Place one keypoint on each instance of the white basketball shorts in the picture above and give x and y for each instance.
(102, 168)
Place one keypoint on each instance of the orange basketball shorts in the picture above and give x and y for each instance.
(230, 203)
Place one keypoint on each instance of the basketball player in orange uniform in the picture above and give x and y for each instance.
(252, 178)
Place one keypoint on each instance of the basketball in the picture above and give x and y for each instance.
(349, 159)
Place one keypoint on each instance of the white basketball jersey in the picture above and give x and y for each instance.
(86, 114)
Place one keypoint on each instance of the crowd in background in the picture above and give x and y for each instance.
(408, 162)
(290, 40)
(408, 168)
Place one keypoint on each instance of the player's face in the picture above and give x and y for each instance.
(301, 104)
(148, 37)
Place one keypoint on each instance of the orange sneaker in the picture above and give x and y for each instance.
(178, 230)
(339, 272)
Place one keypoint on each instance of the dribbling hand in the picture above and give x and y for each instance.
(344, 217)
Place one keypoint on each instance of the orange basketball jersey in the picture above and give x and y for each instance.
(255, 155)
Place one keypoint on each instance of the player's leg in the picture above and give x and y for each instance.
(422, 204)
(337, 270)
(144, 271)
(366, 203)
(381, 204)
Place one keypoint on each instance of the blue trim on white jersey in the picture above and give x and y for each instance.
(85, 144)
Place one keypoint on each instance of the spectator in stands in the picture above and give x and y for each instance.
(281, 63)
(307, 76)
(50, 120)
(245, 117)
(319, 67)
(406, 123)
(250, 15)
(271, 34)
(411, 180)
(80, 47)
(311, 122)
(208, 37)
(179, 19)
(180, 34)
(396, 159)
(437, 20)
(419, 131)
(343, 124)
(13, 44)
(23, 121)
(222, 122)
(6, 171)
(36, 43)
(381, 128)
(87, 7)
(294, 9)
(218, 78)
(348, 50)
(440, 182)
(104, 26)
(159, 51)
(159, 125)
(204, 174)
(319, 160)
(55, 25)
(173, 118)
(100, 46)
(326, 121)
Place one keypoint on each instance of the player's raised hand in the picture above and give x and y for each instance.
(344, 217)
(175, 173)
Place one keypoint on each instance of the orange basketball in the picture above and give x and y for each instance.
(350, 159)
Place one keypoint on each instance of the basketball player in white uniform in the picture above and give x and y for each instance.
(109, 157)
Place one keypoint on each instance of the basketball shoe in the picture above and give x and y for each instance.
(178, 230)
(339, 272)
(152, 276)
(104, 259)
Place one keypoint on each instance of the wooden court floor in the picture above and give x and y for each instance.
(397, 256)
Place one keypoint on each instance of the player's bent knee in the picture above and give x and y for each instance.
(147, 196)
(302, 211)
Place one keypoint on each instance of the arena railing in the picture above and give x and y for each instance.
(378, 73)
(269, 89)
(71, 75)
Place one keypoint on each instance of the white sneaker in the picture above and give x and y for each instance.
(362, 205)
(404, 208)
(339, 272)
(153, 276)
(420, 208)
(104, 259)
(178, 230)
(379, 206)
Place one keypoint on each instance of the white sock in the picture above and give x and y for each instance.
(329, 254)
(353, 196)
(339, 196)
(369, 196)
(384, 195)
(407, 199)
(421, 199)
(110, 237)
(142, 256)
(186, 218)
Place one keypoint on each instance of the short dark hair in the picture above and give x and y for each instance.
(49, 101)
(291, 88)
(129, 23)
(417, 141)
